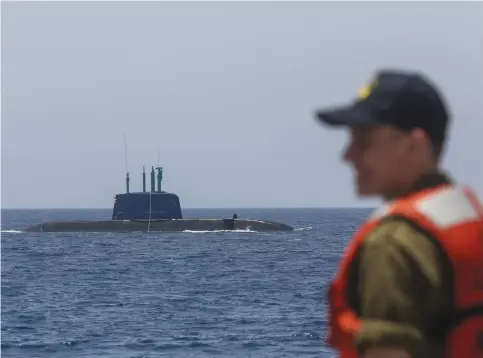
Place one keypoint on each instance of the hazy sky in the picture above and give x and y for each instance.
(225, 90)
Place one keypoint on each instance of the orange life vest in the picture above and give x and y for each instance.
(454, 217)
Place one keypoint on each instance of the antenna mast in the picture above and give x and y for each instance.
(125, 159)
(144, 180)
(160, 174)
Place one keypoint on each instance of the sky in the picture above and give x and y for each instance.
(225, 91)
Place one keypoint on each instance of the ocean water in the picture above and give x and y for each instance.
(219, 294)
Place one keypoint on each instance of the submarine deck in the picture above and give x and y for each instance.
(173, 225)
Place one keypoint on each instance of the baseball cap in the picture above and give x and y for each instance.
(407, 100)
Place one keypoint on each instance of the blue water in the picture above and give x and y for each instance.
(219, 294)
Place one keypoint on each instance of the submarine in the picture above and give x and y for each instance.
(155, 210)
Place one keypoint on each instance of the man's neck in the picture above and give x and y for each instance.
(425, 181)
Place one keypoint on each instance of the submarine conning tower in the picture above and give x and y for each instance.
(155, 204)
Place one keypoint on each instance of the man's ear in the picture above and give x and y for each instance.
(418, 139)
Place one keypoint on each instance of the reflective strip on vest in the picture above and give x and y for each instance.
(445, 208)
(448, 207)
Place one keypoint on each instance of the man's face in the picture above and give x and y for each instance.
(381, 158)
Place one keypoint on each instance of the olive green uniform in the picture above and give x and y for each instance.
(399, 288)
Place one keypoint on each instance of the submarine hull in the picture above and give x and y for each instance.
(169, 225)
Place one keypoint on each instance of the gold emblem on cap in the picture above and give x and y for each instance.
(367, 89)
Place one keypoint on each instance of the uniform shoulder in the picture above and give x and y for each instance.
(401, 230)
(402, 239)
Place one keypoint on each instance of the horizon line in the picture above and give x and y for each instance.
(206, 208)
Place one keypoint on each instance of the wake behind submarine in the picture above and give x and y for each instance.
(156, 210)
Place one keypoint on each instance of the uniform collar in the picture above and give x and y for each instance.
(430, 181)
(427, 181)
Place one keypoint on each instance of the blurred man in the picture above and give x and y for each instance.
(410, 283)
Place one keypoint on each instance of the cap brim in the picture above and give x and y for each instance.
(345, 116)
